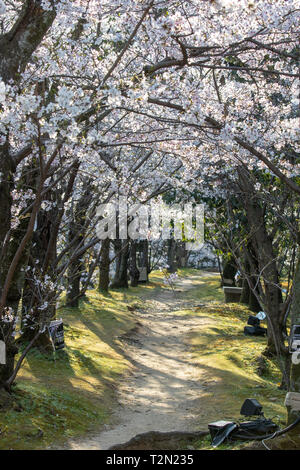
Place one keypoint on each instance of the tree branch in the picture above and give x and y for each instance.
(18, 45)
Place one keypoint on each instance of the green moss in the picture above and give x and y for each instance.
(42, 415)
(72, 392)
(228, 361)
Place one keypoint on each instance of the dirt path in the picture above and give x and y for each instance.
(163, 392)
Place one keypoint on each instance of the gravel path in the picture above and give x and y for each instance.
(163, 392)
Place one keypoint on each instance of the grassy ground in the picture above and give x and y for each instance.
(228, 361)
(73, 392)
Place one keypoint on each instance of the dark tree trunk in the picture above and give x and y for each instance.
(145, 250)
(254, 304)
(7, 369)
(229, 271)
(27, 180)
(181, 255)
(75, 268)
(295, 367)
(7, 169)
(245, 292)
(74, 274)
(262, 245)
(104, 266)
(18, 45)
(16, 49)
(143, 262)
(34, 295)
(171, 255)
(121, 275)
(6, 185)
(117, 249)
(133, 269)
(245, 284)
(252, 272)
(77, 230)
(41, 264)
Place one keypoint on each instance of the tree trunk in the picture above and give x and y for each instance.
(7, 170)
(181, 255)
(265, 256)
(77, 231)
(28, 180)
(229, 271)
(254, 304)
(35, 291)
(42, 264)
(252, 271)
(6, 370)
(171, 255)
(16, 49)
(245, 292)
(133, 269)
(145, 251)
(117, 249)
(295, 320)
(74, 274)
(121, 275)
(104, 266)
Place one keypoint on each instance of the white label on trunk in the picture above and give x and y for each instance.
(2, 353)
(296, 357)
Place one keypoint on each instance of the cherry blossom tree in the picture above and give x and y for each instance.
(104, 98)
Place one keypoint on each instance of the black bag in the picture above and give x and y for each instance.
(254, 321)
(255, 331)
(246, 431)
(250, 430)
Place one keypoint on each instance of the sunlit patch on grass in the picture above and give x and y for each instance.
(73, 391)
(227, 360)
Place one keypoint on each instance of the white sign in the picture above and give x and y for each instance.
(261, 315)
(2, 353)
(296, 358)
